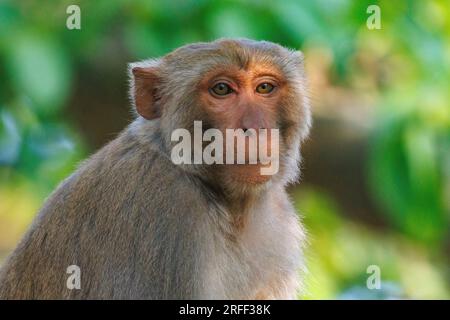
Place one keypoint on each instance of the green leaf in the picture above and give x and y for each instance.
(10, 139)
(39, 69)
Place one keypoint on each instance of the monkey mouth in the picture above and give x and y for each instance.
(254, 150)
(249, 173)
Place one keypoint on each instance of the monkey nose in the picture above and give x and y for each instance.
(252, 130)
(253, 120)
(248, 132)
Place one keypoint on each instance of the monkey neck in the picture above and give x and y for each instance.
(237, 197)
(240, 204)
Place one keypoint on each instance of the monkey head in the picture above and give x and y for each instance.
(229, 84)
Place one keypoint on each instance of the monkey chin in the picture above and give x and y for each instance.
(248, 174)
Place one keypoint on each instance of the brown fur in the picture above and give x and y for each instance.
(140, 227)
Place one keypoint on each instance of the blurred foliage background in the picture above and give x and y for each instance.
(376, 176)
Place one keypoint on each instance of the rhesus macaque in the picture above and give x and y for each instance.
(139, 226)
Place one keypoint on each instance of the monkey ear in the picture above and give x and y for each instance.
(145, 81)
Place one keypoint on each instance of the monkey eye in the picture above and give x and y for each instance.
(264, 88)
(221, 89)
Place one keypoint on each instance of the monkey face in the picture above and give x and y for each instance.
(237, 100)
(241, 85)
